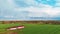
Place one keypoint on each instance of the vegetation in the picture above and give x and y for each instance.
(34, 22)
(32, 28)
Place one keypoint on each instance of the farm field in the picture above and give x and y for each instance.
(32, 29)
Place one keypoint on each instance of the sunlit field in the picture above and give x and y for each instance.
(32, 29)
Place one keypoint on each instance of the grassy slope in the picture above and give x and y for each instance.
(42, 29)
(34, 28)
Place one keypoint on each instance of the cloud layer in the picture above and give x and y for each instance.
(10, 9)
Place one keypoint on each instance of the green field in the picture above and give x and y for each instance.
(33, 28)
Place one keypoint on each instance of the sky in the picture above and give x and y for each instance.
(29, 9)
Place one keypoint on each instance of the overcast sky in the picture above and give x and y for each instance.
(29, 10)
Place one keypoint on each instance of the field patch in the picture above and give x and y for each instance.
(33, 28)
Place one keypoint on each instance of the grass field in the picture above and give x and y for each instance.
(33, 28)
